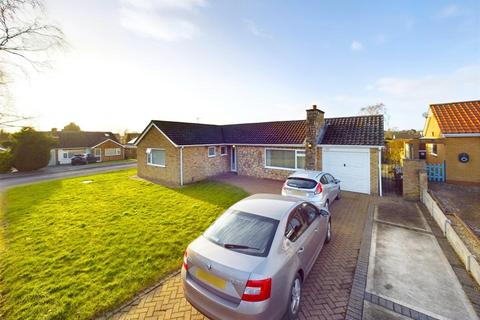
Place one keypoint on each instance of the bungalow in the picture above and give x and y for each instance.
(452, 136)
(176, 153)
(103, 145)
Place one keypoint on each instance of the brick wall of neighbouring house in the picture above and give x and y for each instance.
(198, 166)
(459, 172)
(251, 162)
(374, 172)
(170, 174)
(411, 182)
(110, 145)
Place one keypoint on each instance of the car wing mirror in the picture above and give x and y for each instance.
(337, 181)
(324, 213)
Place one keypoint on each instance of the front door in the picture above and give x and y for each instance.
(233, 159)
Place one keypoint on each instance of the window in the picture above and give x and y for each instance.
(211, 152)
(300, 159)
(310, 212)
(433, 149)
(98, 152)
(223, 150)
(109, 152)
(69, 154)
(301, 183)
(284, 159)
(156, 157)
(324, 179)
(296, 226)
(243, 232)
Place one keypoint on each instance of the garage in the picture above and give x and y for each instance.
(350, 165)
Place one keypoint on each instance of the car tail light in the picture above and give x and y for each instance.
(185, 260)
(257, 290)
(319, 188)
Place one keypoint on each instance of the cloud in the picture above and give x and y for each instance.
(449, 11)
(166, 20)
(356, 46)
(255, 30)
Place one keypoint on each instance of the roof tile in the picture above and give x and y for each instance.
(458, 117)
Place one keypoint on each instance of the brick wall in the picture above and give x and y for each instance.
(251, 162)
(110, 145)
(315, 121)
(411, 181)
(198, 166)
(170, 174)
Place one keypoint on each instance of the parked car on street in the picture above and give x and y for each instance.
(83, 159)
(252, 261)
(320, 188)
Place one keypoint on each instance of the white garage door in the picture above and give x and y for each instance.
(350, 165)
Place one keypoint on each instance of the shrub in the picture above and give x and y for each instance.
(30, 150)
(5, 162)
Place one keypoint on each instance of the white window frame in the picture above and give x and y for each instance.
(431, 149)
(214, 151)
(117, 152)
(222, 153)
(284, 149)
(148, 152)
(97, 152)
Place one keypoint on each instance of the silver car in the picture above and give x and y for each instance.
(318, 187)
(252, 261)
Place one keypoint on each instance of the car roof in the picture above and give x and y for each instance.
(306, 174)
(273, 206)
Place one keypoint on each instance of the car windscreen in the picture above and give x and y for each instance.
(301, 183)
(243, 232)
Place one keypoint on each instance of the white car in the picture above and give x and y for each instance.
(320, 188)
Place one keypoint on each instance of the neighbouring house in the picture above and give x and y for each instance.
(103, 145)
(131, 149)
(452, 136)
(177, 153)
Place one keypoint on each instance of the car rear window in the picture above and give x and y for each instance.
(301, 183)
(237, 228)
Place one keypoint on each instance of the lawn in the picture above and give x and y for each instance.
(74, 250)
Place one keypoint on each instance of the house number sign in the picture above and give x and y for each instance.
(463, 157)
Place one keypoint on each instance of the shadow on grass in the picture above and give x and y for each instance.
(31, 196)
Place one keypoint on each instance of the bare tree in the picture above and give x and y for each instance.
(27, 40)
(376, 109)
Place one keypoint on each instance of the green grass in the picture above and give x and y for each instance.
(74, 250)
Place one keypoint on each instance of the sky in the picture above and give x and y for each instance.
(220, 62)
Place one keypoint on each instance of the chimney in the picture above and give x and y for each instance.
(315, 122)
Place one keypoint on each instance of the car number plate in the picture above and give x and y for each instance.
(298, 193)
(210, 278)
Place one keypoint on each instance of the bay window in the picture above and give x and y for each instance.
(289, 159)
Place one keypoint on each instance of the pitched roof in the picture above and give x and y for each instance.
(361, 130)
(458, 117)
(82, 139)
(365, 130)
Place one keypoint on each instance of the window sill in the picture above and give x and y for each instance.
(280, 168)
(156, 165)
(224, 154)
(212, 156)
(434, 154)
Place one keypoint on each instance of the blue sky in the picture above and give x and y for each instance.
(244, 61)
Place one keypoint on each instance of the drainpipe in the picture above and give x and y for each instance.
(181, 166)
(380, 171)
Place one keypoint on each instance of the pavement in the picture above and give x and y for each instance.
(326, 290)
(409, 275)
(60, 172)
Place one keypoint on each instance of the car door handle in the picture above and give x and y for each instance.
(316, 230)
(301, 250)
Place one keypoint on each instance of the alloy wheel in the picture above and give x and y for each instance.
(296, 294)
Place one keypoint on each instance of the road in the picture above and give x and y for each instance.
(60, 172)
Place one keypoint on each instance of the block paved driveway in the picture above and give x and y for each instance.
(326, 290)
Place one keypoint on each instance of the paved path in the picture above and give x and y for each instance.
(61, 172)
(326, 290)
(408, 274)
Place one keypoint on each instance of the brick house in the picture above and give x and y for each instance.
(177, 153)
(103, 145)
(452, 136)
